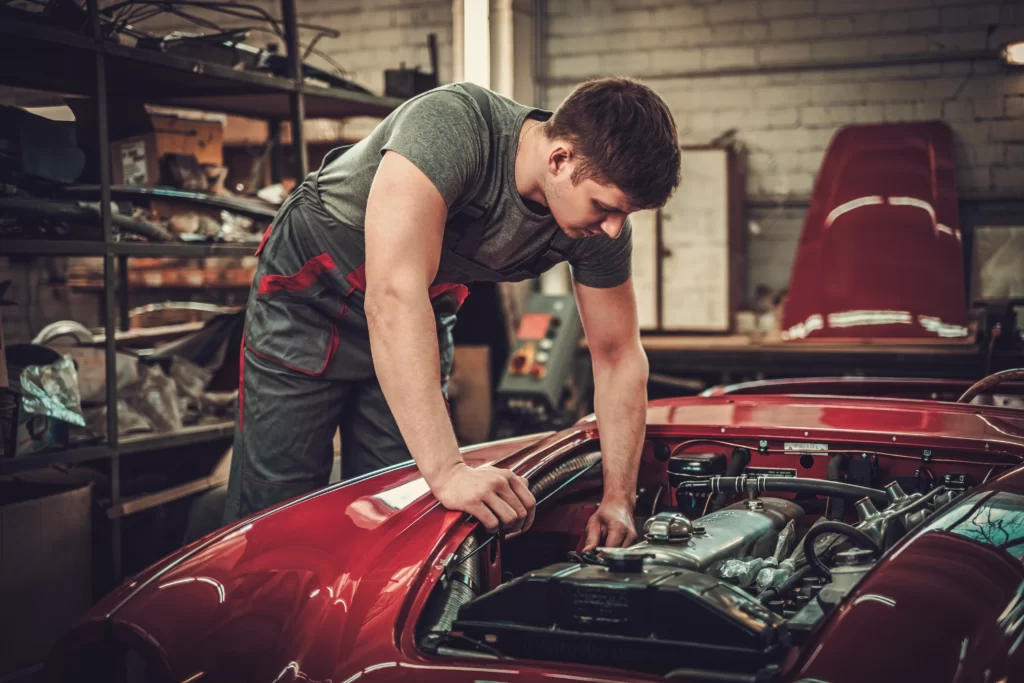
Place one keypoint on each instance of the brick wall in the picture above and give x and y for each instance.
(778, 72)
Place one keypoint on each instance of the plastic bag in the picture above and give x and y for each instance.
(158, 399)
(52, 390)
(129, 420)
(787, 539)
(191, 380)
(741, 572)
(774, 574)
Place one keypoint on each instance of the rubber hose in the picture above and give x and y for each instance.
(562, 471)
(454, 596)
(835, 466)
(858, 537)
(785, 585)
(784, 484)
(151, 231)
(737, 463)
(80, 215)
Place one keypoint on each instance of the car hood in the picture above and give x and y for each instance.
(324, 583)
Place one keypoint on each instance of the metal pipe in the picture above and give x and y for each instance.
(109, 282)
(296, 102)
(789, 484)
(540, 22)
(796, 67)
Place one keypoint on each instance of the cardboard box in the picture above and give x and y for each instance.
(45, 568)
(135, 160)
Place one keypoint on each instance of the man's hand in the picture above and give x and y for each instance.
(497, 498)
(611, 526)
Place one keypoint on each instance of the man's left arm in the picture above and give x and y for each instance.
(620, 401)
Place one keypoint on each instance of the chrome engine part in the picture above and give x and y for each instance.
(744, 530)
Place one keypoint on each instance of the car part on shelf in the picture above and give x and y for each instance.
(78, 214)
(64, 328)
(880, 254)
(251, 208)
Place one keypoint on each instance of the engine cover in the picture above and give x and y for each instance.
(733, 532)
(656, 620)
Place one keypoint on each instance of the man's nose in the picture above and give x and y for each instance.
(612, 225)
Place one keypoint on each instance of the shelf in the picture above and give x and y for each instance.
(64, 456)
(137, 504)
(144, 443)
(67, 65)
(30, 247)
(182, 250)
(320, 103)
(138, 443)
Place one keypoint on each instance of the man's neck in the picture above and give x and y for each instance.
(531, 161)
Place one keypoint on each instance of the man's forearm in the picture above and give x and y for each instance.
(403, 340)
(620, 402)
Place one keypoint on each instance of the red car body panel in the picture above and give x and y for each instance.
(880, 254)
(888, 387)
(328, 587)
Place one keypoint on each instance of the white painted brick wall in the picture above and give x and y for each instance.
(786, 118)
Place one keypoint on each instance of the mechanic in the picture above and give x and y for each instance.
(359, 279)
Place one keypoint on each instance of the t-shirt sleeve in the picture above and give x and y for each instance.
(603, 262)
(443, 134)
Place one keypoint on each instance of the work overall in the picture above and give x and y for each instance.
(306, 368)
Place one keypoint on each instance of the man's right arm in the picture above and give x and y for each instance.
(405, 218)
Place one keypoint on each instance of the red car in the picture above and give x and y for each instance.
(785, 536)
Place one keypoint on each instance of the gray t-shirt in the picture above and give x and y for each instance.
(444, 134)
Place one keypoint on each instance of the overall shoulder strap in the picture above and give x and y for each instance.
(465, 228)
(559, 249)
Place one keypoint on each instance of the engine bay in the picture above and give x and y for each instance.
(744, 548)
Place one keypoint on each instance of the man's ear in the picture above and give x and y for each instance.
(561, 159)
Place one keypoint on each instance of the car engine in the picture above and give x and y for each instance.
(723, 596)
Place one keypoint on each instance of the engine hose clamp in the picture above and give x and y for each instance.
(459, 576)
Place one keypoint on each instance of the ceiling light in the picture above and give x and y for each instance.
(1013, 53)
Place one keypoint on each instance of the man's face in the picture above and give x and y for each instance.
(587, 208)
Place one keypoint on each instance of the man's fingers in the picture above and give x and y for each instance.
(485, 516)
(522, 489)
(616, 536)
(529, 518)
(503, 510)
(509, 496)
(595, 531)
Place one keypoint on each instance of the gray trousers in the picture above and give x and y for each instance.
(284, 435)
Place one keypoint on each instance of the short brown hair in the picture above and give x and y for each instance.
(624, 135)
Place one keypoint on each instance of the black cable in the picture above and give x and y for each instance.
(448, 635)
(855, 535)
(785, 585)
(737, 464)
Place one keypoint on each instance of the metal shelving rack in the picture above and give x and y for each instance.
(74, 64)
